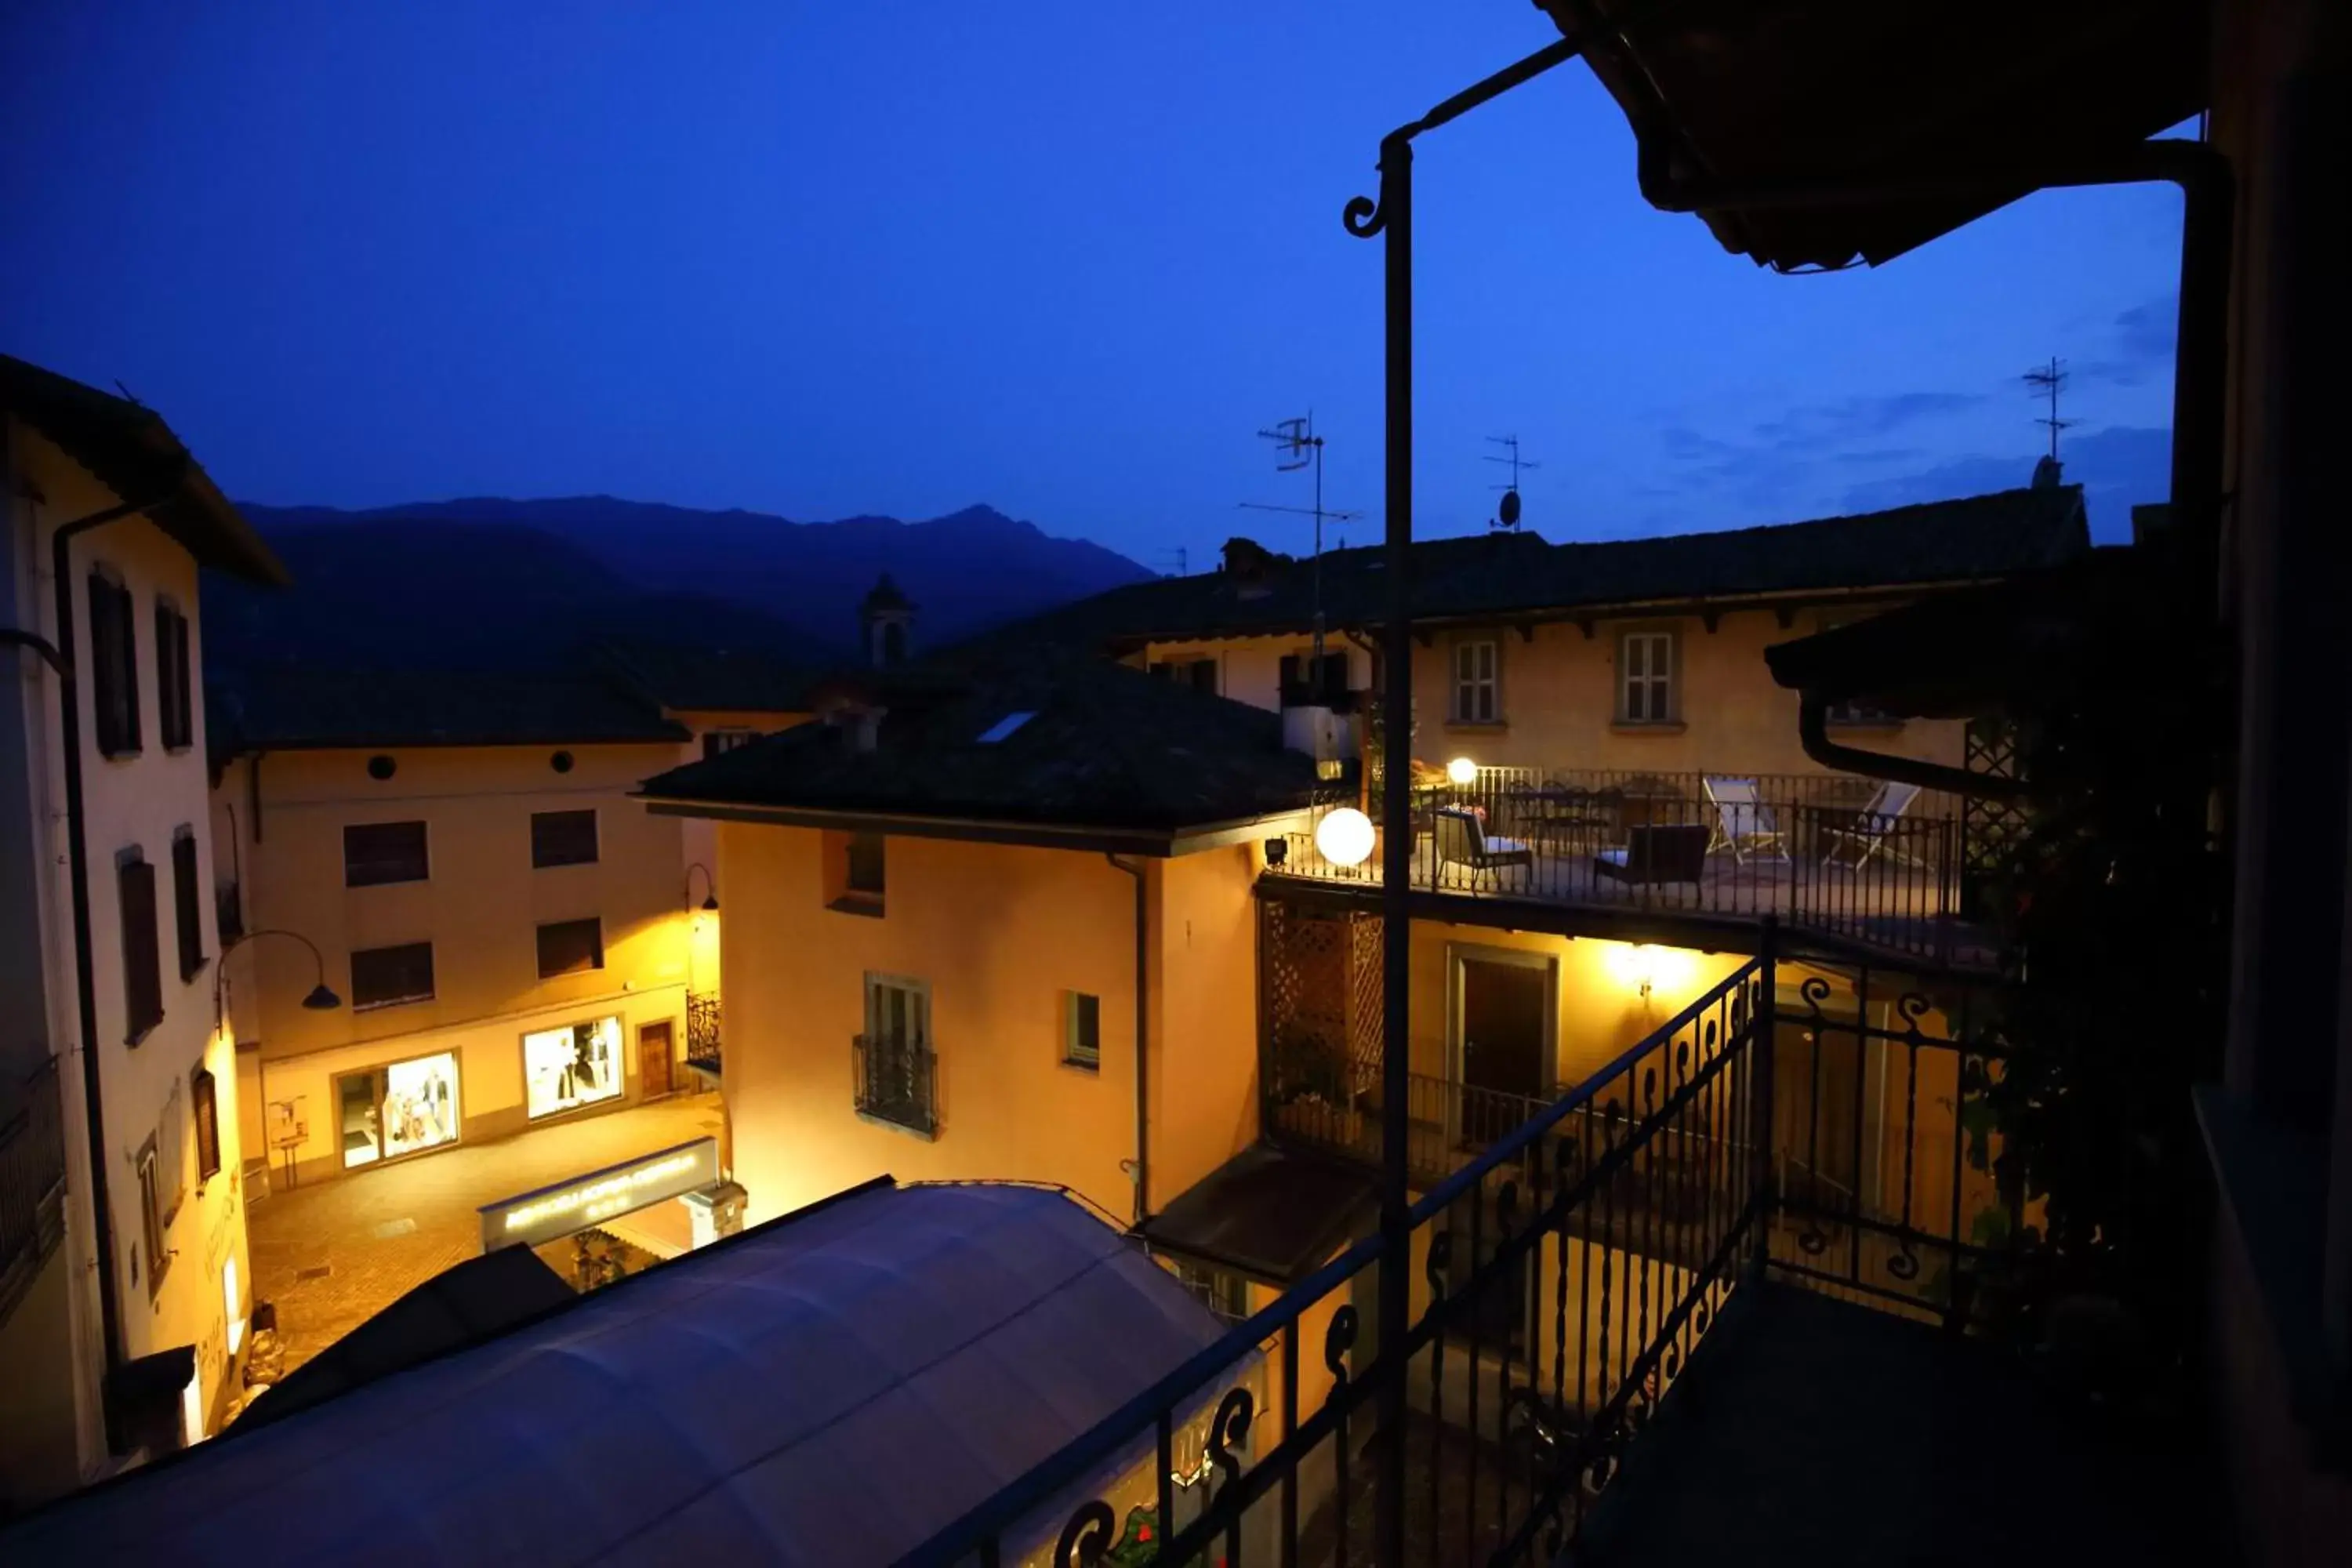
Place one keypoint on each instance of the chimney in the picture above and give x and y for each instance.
(2046, 471)
(888, 618)
(1250, 566)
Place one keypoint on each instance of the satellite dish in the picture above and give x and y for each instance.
(1510, 508)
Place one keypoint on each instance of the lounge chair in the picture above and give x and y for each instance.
(1652, 855)
(1743, 825)
(1874, 829)
(1462, 840)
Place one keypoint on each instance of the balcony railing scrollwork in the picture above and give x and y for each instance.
(703, 1018)
(895, 1080)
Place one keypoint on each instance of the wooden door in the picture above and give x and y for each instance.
(1503, 1066)
(655, 1043)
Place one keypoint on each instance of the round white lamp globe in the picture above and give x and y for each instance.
(1462, 771)
(1345, 837)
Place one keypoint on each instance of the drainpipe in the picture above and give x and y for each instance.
(1143, 1167)
(84, 975)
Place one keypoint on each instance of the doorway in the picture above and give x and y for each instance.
(1505, 1016)
(656, 1047)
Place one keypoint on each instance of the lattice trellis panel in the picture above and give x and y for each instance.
(1321, 980)
(1990, 830)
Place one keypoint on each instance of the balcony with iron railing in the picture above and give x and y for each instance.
(703, 1018)
(1876, 864)
(1721, 1206)
(894, 1080)
(32, 1179)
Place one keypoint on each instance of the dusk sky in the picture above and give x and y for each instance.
(1065, 258)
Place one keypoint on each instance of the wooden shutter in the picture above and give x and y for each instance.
(175, 703)
(568, 947)
(185, 907)
(204, 1106)
(1288, 680)
(142, 963)
(114, 672)
(563, 838)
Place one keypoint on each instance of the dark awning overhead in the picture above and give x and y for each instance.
(1733, 90)
(133, 453)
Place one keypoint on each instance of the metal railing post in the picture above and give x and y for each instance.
(1762, 1025)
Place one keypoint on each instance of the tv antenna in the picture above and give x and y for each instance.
(1299, 447)
(2047, 381)
(1508, 514)
(1176, 554)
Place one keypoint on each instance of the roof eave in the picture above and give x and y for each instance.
(1158, 843)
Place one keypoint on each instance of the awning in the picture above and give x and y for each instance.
(1271, 1213)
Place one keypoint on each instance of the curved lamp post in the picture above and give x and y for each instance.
(319, 1000)
(711, 884)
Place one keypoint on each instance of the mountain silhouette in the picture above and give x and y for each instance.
(490, 583)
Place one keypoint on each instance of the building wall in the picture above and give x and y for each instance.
(999, 934)
(480, 908)
(699, 839)
(128, 802)
(1560, 699)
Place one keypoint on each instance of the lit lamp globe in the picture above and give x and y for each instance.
(1462, 771)
(1345, 837)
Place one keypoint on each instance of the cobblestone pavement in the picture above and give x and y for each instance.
(332, 1254)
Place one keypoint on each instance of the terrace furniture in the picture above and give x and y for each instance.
(1655, 854)
(1873, 829)
(1462, 840)
(1744, 825)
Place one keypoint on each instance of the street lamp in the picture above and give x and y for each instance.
(319, 1000)
(711, 904)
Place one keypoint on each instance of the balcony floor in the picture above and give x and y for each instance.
(1813, 1432)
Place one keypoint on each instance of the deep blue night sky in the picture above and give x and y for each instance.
(900, 256)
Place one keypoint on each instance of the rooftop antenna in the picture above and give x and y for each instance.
(1298, 446)
(1508, 514)
(2046, 381)
(1182, 560)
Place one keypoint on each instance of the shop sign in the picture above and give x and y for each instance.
(580, 1201)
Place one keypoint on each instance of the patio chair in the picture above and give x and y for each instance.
(1462, 840)
(1743, 825)
(1876, 828)
(1652, 855)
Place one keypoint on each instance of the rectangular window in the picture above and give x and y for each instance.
(1477, 682)
(575, 1064)
(150, 1213)
(1225, 1294)
(571, 947)
(1081, 1030)
(204, 1107)
(143, 960)
(1646, 664)
(114, 666)
(563, 838)
(187, 903)
(171, 1153)
(854, 872)
(716, 741)
(1307, 682)
(175, 712)
(896, 1072)
(1199, 674)
(403, 1107)
(388, 976)
(375, 853)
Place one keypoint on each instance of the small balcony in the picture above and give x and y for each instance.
(1881, 867)
(703, 1016)
(32, 1179)
(896, 1082)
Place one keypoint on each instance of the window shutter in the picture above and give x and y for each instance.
(114, 686)
(1289, 678)
(1334, 679)
(185, 908)
(204, 1105)
(142, 964)
(1204, 676)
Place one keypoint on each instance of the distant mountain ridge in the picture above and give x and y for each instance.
(499, 583)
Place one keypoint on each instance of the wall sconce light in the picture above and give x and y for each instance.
(1462, 771)
(1277, 850)
(710, 883)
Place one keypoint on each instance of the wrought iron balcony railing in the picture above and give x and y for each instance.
(32, 1179)
(895, 1080)
(1551, 1311)
(703, 1016)
(1873, 864)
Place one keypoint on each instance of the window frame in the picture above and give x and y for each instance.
(567, 815)
(718, 743)
(378, 1077)
(187, 903)
(203, 1113)
(617, 1094)
(176, 715)
(425, 853)
(1080, 1009)
(923, 1103)
(172, 1151)
(114, 664)
(143, 956)
(155, 1226)
(1649, 638)
(595, 922)
(431, 977)
(1224, 1292)
(1460, 685)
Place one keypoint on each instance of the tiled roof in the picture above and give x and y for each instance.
(312, 710)
(681, 676)
(133, 453)
(1103, 746)
(1972, 539)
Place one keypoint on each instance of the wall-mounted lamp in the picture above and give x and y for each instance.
(711, 884)
(319, 1000)
(1277, 850)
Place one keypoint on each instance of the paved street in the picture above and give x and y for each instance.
(332, 1254)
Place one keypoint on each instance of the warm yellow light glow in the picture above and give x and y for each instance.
(1345, 837)
(1462, 771)
(1645, 969)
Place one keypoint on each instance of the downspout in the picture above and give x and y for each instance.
(85, 974)
(1142, 1164)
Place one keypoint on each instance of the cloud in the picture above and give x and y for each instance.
(2139, 347)
(1779, 467)
(2118, 468)
(1831, 425)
